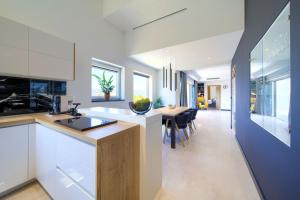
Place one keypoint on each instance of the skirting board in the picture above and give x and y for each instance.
(7, 192)
(225, 110)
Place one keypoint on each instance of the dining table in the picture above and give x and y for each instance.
(170, 113)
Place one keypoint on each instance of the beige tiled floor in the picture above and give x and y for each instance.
(32, 191)
(210, 167)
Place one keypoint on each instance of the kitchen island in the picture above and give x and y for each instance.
(150, 145)
(101, 163)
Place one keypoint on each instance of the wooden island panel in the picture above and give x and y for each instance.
(118, 170)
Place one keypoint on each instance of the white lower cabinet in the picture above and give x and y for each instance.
(65, 166)
(13, 156)
(46, 158)
(31, 151)
(77, 160)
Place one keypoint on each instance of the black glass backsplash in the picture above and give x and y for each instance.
(22, 95)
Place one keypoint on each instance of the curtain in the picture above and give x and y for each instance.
(195, 94)
(183, 89)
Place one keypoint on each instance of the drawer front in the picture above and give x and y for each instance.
(66, 188)
(77, 160)
(45, 66)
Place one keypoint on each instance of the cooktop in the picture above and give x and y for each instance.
(85, 123)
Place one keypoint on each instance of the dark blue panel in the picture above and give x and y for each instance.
(275, 166)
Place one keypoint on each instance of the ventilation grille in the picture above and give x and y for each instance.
(160, 18)
(214, 78)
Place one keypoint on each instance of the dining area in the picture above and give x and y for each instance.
(178, 120)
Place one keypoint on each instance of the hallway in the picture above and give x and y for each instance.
(210, 167)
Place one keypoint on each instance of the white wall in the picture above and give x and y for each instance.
(225, 93)
(109, 6)
(80, 22)
(167, 96)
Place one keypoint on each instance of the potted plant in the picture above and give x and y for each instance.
(157, 103)
(106, 85)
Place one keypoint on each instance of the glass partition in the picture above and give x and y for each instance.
(270, 79)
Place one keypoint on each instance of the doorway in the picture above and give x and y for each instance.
(214, 96)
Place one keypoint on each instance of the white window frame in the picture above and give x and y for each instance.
(149, 86)
(96, 63)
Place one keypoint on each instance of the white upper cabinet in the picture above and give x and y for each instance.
(13, 48)
(45, 66)
(50, 56)
(44, 43)
(13, 34)
(13, 156)
(25, 51)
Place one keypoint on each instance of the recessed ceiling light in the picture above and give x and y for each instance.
(209, 58)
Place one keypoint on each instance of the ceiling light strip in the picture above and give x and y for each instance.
(173, 13)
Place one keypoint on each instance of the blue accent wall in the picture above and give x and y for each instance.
(276, 166)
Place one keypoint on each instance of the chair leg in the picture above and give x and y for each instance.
(167, 123)
(186, 134)
(190, 128)
(194, 124)
(166, 131)
(181, 139)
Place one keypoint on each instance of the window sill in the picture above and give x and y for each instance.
(103, 100)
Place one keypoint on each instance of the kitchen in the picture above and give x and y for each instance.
(104, 153)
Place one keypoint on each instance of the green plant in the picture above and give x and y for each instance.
(157, 103)
(106, 85)
(141, 104)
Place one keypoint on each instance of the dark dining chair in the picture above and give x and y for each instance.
(195, 111)
(181, 123)
(190, 119)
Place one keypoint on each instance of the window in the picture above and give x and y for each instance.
(98, 68)
(142, 85)
(282, 99)
(270, 63)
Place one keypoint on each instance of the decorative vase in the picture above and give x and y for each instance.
(106, 96)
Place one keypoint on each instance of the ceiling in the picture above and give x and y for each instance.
(128, 14)
(222, 72)
(217, 50)
(206, 34)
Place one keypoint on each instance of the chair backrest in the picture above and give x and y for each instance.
(182, 120)
(190, 115)
(195, 113)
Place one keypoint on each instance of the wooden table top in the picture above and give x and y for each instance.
(172, 111)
